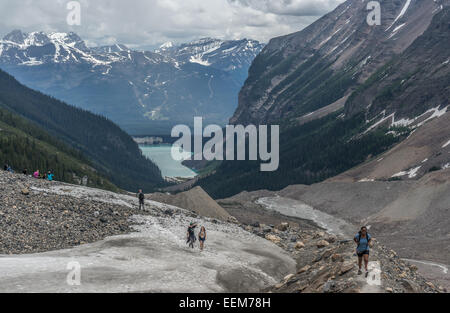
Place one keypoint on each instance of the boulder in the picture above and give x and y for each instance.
(288, 277)
(299, 245)
(322, 244)
(346, 267)
(273, 238)
(430, 284)
(283, 227)
(403, 275)
(319, 234)
(255, 224)
(337, 257)
(410, 286)
(266, 229)
(304, 269)
(331, 239)
(233, 220)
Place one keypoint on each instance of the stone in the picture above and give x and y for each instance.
(346, 267)
(283, 227)
(168, 212)
(288, 277)
(320, 234)
(25, 191)
(273, 238)
(322, 244)
(304, 269)
(266, 229)
(327, 254)
(299, 245)
(410, 286)
(255, 224)
(331, 239)
(389, 289)
(430, 284)
(337, 257)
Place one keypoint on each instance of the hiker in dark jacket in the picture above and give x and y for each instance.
(141, 198)
(191, 235)
(363, 241)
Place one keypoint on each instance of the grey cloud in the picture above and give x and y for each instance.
(148, 23)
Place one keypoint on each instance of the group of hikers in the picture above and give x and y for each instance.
(191, 237)
(363, 239)
(48, 176)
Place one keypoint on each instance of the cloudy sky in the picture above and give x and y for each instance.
(149, 23)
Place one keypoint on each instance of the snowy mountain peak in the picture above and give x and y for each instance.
(15, 36)
(228, 55)
(166, 45)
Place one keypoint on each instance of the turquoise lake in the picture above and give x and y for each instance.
(161, 155)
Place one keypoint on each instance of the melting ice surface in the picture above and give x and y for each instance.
(295, 208)
(154, 259)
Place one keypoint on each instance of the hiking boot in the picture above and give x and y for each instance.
(359, 272)
(367, 274)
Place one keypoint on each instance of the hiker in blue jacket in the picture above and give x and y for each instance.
(363, 241)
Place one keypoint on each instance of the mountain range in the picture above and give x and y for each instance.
(319, 67)
(344, 92)
(143, 92)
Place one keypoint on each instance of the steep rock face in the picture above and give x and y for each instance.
(415, 81)
(303, 72)
(142, 91)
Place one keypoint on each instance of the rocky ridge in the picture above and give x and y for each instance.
(327, 264)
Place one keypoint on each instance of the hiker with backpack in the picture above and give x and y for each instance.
(363, 241)
(141, 198)
(191, 235)
(202, 237)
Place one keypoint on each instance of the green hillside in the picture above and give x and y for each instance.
(26, 146)
(111, 151)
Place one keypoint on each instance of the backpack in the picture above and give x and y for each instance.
(368, 238)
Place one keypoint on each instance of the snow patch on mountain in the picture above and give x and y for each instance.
(411, 173)
(402, 12)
